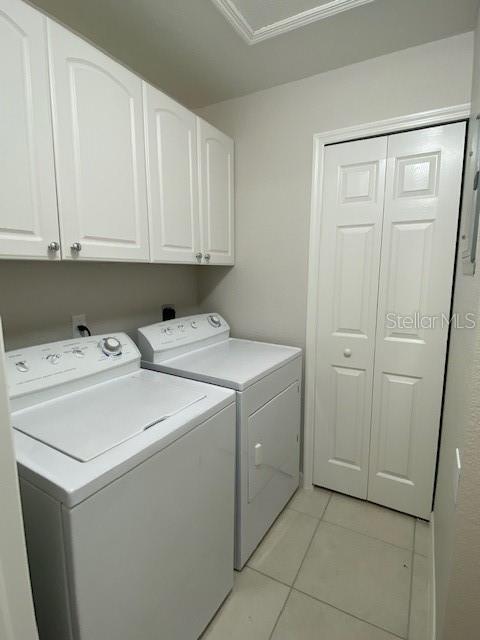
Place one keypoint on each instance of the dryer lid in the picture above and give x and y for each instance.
(85, 424)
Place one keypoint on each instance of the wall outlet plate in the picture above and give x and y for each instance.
(456, 474)
(81, 318)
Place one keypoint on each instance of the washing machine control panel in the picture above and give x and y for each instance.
(172, 337)
(34, 369)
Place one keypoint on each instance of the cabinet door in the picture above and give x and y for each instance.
(354, 179)
(215, 152)
(172, 178)
(28, 205)
(100, 154)
(422, 197)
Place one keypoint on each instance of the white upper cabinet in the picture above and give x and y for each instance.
(99, 152)
(216, 180)
(172, 178)
(95, 164)
(28, 206)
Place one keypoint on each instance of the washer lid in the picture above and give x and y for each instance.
(85, 424)
(233, 363)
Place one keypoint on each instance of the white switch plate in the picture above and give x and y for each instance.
(456, 474)
(76, 320)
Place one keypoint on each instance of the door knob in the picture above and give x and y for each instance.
(76, 247)
(347, 353)
(207, 257)
(54, 246)
(199, 255)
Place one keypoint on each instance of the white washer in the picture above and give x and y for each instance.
(267, 381)
(127, 482)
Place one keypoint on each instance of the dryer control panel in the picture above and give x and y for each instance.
(49, 370)
(163, 340)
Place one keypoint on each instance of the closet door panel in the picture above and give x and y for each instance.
(172, 178)
(424, 173)
(28, 203)
(100, 155)
(354, 179)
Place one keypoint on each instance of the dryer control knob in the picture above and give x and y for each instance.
(111, 346)
(214, 321)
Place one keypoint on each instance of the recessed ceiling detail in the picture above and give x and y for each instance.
(257, 20)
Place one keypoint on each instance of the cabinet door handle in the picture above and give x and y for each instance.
(76, 247)
(207, 257)
(54, 246)
(199, 255)
(347, 353)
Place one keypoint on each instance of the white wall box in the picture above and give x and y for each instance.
(99, 152)
(387, 250)
(216, 178)
(172, 179)
(28, 205)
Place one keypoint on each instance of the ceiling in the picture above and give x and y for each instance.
(191, 51)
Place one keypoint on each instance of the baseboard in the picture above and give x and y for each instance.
(432, 632)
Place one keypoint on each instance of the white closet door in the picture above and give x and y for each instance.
(215, 151)
(100, 152)
(28, 201)
(354, 179)
(424, 174)
(172, 178)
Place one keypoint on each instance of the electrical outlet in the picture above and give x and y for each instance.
(81, 318)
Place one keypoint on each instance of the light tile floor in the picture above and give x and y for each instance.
(332, 567)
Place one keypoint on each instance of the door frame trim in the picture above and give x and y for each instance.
(443, 115)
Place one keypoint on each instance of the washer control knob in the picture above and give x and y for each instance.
(169, 331)
(214, 321)
(111, 346)
(22, 366)
(53, 358)
(78, 353)
(181, 327)
(194, 324)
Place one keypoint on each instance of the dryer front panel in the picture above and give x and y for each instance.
(273, 442)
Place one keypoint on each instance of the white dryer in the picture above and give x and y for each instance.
(267, 381)
(127, 484)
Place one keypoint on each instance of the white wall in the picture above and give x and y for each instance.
(457, 527)
(264, 295)
(37, 299)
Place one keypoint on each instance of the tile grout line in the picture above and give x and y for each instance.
(367, 535)
(328, 604)
(299, 569)
(292, 588)
(266, 575)
(412, 551)
(349, 613)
